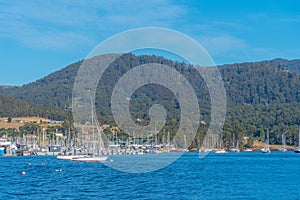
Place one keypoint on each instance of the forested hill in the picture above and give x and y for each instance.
(262, 82)
(260, 95)
(10, 107)
(291, 65)
(265, 82)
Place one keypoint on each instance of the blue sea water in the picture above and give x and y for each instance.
(227, 176)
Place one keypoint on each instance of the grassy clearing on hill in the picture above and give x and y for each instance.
(20, 121)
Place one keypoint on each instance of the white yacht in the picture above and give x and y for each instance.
(282, 148)
(266, 149)
(234, 149)
(297, 149)
(90, 159)
(220, 151)
(68, 157)
(248, 150)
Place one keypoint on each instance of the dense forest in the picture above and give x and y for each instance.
(10, 107)
(260, 95)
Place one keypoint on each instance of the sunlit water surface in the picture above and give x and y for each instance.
(227, 176)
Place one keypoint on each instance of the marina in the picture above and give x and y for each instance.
(88, 148)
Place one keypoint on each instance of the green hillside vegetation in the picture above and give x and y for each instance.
(10, 107)
(260, 95)
(260, 83)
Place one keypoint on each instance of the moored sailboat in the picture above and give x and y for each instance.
(68, 157)
(221, 150)
(234, 147)
(297, 149)
(266, 149)
(282, 148)
(90, 158)
(248, 150)
(92, 142)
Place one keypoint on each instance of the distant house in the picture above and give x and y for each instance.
(56, 122)
(105, 125)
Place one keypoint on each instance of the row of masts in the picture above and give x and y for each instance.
(214, 142)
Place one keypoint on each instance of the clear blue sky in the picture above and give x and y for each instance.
(40, 37)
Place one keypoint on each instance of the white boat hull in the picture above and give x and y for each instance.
(206, 150)
(234, 150)
(282, 149)
(69, 157)
(90, 159)
(248, 150)
(221, 151)
(265, 150)
(297, 150)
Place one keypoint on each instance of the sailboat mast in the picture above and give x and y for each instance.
(268, 138)
(185, 147)
(299, 138)
(283, 140)
(93, 131)
(169, 141)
